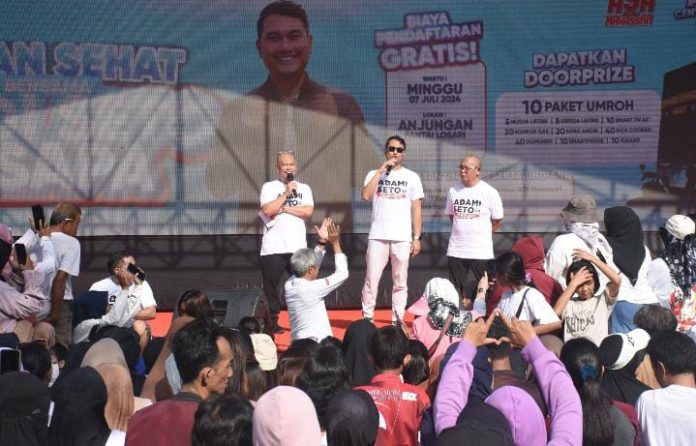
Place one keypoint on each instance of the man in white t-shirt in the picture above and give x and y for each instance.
(666, 415)
(395, 232)
(476, 212)
(286, 205)
(139, 292)
(64, 223)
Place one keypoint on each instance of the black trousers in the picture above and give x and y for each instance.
(272, 268)
(465, 275)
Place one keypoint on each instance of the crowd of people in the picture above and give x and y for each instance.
(592, 343)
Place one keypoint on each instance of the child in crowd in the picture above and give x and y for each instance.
(523, 301)
(400, 404)
(585, 314)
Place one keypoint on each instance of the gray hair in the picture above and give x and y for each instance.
(63, 212)
(301, 260)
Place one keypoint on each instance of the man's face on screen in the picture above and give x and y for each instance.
(285, 45)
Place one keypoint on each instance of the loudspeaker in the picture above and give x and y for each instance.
(231, 306)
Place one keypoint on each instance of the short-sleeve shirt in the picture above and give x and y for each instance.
(472, 209)
(142, 292)
(288, 233)
(392, 202)
(535, 307)
(588, 318)
(67, 250)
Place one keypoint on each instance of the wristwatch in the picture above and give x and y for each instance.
(417, 237)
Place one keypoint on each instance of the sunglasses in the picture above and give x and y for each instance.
(396, 149)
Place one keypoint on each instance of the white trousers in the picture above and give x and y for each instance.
(379, 252)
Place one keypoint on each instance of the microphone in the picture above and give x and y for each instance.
(290, 177)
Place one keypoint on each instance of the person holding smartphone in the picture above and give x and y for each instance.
(138, 290)
(21, 296)
(62, 228)
(121, 307)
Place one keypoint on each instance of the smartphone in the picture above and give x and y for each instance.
(37, 212)
(21, 253)
(5, 251)
(133, 269)
(10, 360)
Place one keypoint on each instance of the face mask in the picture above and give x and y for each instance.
(55, 371)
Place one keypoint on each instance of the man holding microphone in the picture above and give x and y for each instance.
(395, 232)
(286, 205)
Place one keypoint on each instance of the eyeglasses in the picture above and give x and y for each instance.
(467, 168)
(396, 149)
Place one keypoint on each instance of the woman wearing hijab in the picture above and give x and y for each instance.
(621, 354)
(78, 417)
(108, 359)
(479, 424)
(632, 258)
(24, 403)
(356, 350)
(673, 274)
(103, 351)
(440, 300)
(120, 403)
(517, 406)
(285, 416)
(353, 419)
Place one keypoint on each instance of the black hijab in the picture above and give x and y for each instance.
(78, 415)
(352, 419)
(24, 403)
(622, 384)
(356, 350)
(625, 236)
(478, 425)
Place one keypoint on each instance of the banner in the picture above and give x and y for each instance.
(165, 118)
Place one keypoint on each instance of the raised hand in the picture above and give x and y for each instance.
(477, 331)
(323, 230)
(521, 332)
(334, 232)
(582, 276)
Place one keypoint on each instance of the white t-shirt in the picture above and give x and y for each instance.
(588, 318)
(391, 204)
(67, 251)
(143, 293)
(560, 256)
(472, 209)
(535, 308)
(285, 233)
(667, 417)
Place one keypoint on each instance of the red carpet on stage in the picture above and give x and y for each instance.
(340, 319)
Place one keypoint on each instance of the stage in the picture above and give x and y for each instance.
(340, 320)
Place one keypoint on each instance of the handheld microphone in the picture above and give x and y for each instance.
(290, 177)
